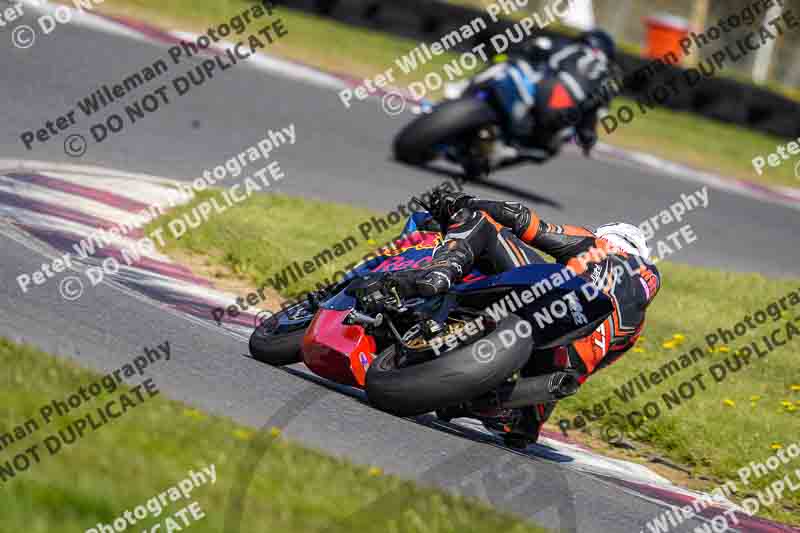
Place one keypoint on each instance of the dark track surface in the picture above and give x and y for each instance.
(340, 155)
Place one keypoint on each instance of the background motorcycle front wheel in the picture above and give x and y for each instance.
(449, 123)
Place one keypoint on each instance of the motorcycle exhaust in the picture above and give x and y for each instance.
(528, 391)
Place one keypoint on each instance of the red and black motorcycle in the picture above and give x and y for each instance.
(446, 354)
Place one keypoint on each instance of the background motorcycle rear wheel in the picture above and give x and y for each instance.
(276, 349)
(451, 121)
(454, 377)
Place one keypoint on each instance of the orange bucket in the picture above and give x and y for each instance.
(664, 34)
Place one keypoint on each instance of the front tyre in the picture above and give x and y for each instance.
(276, 349)
(457, 376)
(448, 123)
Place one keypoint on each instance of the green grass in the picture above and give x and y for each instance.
(153, 446)
(269, 232)
(633, 48)
(720, 148)
(704, 433)
(721, 429)
(702, 143)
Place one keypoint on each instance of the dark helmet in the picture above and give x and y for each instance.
(601, 40)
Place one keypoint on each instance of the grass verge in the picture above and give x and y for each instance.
(701, 143)
(253, 249)
(714, 433)
(633, 48)
(151, 447)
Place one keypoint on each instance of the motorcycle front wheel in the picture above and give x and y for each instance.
(451, 122)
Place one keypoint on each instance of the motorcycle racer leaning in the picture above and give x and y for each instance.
(570, 91)
(499, 236)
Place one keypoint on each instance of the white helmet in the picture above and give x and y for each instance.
(626, 237)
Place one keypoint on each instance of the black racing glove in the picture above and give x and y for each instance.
(413, 283)
(404, 282)
(445, 204)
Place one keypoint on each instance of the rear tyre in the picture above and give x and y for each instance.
(276, 349)
(416, 143)
(455, 377)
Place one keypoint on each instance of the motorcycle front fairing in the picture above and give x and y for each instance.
(285, 323)
(336, 350)
(343, 352)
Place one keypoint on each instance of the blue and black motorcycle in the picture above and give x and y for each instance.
(477, 124)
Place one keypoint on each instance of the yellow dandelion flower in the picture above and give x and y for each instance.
(638, 350)
(669, 345)
(786, 403)
(372, 242)
(755, 398)
(374, 471)
(710, 350)
(724, 349)
(194, 413)
(776, 446)
(243, 434)
(275, 432)
(796, 388)
(729, 402)
(679, 337)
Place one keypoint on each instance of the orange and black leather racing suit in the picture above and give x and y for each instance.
(499, 236)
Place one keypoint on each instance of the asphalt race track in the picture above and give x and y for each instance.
(340, 155)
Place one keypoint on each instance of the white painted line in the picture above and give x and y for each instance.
(73, 230)
(66, 200)
(273, 64)
(84, 18)
(12, 165)
(139, 191)
(784, 196)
